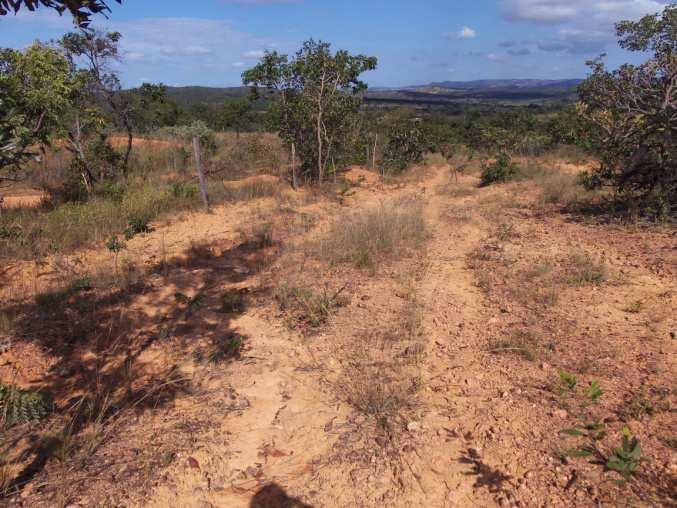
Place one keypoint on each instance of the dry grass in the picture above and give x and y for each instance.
(307, 310)
(520, 342)
(366, 237)
(584, 269)
(560, 189)
(375, 393)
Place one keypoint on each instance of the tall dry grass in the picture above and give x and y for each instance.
(386, 231)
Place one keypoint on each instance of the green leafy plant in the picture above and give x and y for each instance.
(137, 224)
(568, 380)
(592, 433)
(21, 406)
(115, 245)
(626, 459)
(501, 170)
(594, 392)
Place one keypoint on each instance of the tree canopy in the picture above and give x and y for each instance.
(315, 98)
(632, 112)
(36, 86)
(81, 10)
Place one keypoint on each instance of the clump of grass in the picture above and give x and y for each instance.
(586, 270)
(308, 310)
(374, 394)
(259, 235)
(247, 190)
(521, 343)
(484, 280)
(387, 231)
(505, 231)
(51, 299)
(560, 188)
(227, 348)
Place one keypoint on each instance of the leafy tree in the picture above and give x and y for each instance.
(99, 51)
(633, 111)
(36, 88)
(315, 99)
(81, 10)
(237, 114)
(405, 140)
(151, 109)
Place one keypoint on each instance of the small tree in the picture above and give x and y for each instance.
(236, 114)
(151, 109)
(405, 141)
(315, 97)
(98, 51)
(196, 133)
(36, 88)
(633, 112)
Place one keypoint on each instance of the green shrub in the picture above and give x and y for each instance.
(115, 191)
(183, 190)
(138, 223)
(21, 406)
(501, 170)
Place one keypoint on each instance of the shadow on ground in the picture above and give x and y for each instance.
(97, 339)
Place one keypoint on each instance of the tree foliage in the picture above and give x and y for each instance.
(316, 96)
(81, 10)
(94, 53)
(633, 111)
(36, 87)
(236, 114)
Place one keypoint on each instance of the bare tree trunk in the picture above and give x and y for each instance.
(200, 172)
(373, 153)
(294, 182)
(130, 143)
(76, 147)
(320, 166)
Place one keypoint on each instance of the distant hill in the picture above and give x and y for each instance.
(518, 84)
(457, 95)
(187, 95)
(450, 95)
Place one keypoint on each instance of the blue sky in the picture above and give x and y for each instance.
(210, 42)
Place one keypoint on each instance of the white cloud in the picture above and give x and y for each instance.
(466, 33)
(586, 27)
(255, 54)
(238, 65)
(560, 11)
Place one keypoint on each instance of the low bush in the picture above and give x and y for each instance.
(499, 171)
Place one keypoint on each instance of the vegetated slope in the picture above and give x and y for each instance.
(187, 95)
(431, 377)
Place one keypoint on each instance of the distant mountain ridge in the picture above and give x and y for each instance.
(489, 84)
(436, 94)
